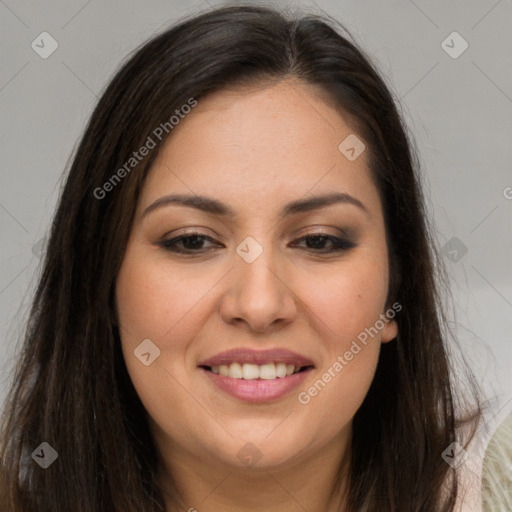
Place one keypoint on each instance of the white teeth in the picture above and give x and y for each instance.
(281, 370)
(235, 371)
(250, 371)
(269, 371)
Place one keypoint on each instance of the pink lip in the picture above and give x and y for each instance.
(257, 390)
(259, 357)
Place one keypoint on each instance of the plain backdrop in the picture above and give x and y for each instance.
(457, 101)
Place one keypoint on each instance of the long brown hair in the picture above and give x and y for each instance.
(71, 388)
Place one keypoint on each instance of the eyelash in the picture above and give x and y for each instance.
(339, 244)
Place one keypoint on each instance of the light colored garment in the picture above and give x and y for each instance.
(497, 470)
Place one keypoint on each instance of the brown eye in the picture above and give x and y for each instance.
(318, 241)
(189, 243)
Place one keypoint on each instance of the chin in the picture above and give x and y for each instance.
(264, 449)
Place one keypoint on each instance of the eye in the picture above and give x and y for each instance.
(317, 241)
(187, 244)
(193, 243)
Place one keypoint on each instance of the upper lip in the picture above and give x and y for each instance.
(259, 357)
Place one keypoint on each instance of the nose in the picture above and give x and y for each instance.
(259, 297)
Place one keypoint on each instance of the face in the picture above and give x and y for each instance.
(257, 281)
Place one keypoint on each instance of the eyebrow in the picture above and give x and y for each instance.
(216, 207)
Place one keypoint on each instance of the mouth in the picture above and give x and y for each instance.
(248, 371)
(257, 376)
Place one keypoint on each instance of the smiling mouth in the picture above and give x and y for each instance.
(247, 371)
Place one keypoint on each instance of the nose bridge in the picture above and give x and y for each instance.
(258, 275)
(257, 294)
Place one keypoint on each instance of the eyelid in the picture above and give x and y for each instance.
(324, 231)
(339, 244)
(191, 231)
(311, 231)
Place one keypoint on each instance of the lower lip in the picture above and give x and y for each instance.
(257, 390)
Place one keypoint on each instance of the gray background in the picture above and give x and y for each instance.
(459, 109)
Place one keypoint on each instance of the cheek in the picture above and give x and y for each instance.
(168, 306)
(346, 301)
(338, 392)
(156, 302)
(162, 306)
(346, 309)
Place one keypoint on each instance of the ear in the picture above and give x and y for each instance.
(389, 331)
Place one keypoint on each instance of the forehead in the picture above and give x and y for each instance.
(268, 143)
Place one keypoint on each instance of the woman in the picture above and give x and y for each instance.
(238, 308)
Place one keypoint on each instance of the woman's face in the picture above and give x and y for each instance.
(226, 285)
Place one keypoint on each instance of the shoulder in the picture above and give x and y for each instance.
(497, 470)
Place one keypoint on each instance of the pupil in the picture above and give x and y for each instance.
(317, 241)
(196, 241)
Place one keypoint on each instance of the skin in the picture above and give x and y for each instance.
(255, 150)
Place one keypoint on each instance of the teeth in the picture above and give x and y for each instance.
(268, 371)
(236, 371)
(249, 371)
(281, 370)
